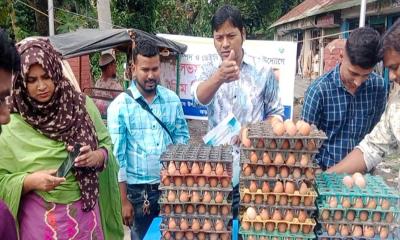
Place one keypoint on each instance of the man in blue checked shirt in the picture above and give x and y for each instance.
(347, 102)
(139, 139)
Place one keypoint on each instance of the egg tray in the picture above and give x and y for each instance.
(308, 222)
(322, 232)
(311, 211)
(245, 159)
(227, 174)
(325, 236)
(206, 188)
(227, 225)
(227, 197)
(208, 236)
(245, 182)
(331, 185)
(357, 212)
(358, 222)
(275, 234)
(271, 178)
(198, 153)
(196, 214)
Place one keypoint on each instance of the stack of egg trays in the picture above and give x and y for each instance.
(263, 140)
(331, 186)
(201, 154)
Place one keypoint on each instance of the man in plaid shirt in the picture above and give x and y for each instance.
(348, 101)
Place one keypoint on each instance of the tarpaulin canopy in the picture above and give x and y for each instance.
(85, 41)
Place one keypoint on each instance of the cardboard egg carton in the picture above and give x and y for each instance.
(212, 183)
(275, 172)
(198, 153)
(167, 235)
(226, 196)
(310, 211)
(252, 156)
(226, 228)
(323, 232)
(198, 210)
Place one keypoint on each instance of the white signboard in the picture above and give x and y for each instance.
(281, 56)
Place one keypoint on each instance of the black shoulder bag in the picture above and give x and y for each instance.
(146, 107)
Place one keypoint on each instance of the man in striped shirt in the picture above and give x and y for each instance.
(139, 139)
(347, 102)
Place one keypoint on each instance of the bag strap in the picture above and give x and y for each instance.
(146, 107)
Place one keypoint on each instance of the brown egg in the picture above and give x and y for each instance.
(264, 214)
(385, 204)
(302, 216)
(284, 172)
(278, 187)
(260, 143)
(246, 170)
(201, 181)
(289, 216)
(290, 128)
(306, 229)
(213, 210)
(272, 144)
(179, 235)
(260, 171)
(178, 209)
(266, 158)
(271, 199)
(219, 198)
(271, 171)
(195, 197)
(184, 225)
(376, 217)
(184, 196)
(213, 181)
(258, 226)
(201, 236)
(207, 169)
(225, 211)
(225, 182)
(247, 198)
(283, 200)
(219, 169)
(278, 159)
(303, 190)
(278, 129)
(189, 181)
(331, 230)
(346, 202)
(245, 140)
(308, 201)
(371, 204)
(201, 209)
(369, 231)
(207, 197)
(291, 160)
(384, 233)
(294, 228)
(253, 186)
(285, 144)
(304, 160)
(166, 181)
(245, 225)
(189, 235)
(171, 196)
(299, 123)
(270, 226)
(351, 215)
(363, 216)
(295, 201)
(333, 202)
(298, 145)
(282, 227)
(389, 217)
(359, 203)
(190, 209)
(253, 157)
(305, 129)
(289, 187)
(206, 225)
(311, 145)
(325, 214)
(167, 209)
(178, 181)
(259, 199)
(224, 236)
(265, 187)
(195, 168)
(277, 215)
(348, 181)
(338, 215)
(183, 169)
(219, 225)
(309, 173)
(171, 223)
(171, 168)
(166, 235)
(251, 237)
(296, 173)
(344, 230)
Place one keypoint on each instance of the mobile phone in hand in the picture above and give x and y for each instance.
(68, 163)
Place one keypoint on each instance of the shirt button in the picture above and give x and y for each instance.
(158, 144)
(154, 126)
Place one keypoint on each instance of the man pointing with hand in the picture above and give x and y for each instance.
(236, 82)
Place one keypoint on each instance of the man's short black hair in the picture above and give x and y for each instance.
(146, 49)
(227, 13)
(9, 57)
(390, 39)
(362, 47)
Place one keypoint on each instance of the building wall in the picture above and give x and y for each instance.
(81, 69)
(332, 54)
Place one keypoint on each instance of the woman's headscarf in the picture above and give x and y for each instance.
(64, 118)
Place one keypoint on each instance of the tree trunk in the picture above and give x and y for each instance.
(42, 24)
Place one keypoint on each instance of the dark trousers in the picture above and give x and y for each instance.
(235, 202)
(136, 195)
